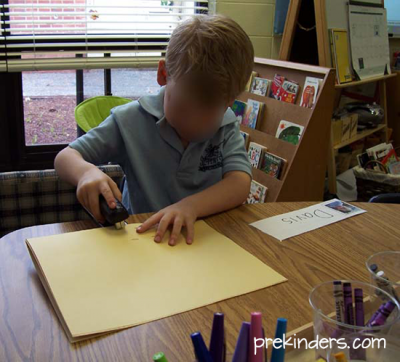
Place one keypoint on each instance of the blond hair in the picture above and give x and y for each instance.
(213, 53)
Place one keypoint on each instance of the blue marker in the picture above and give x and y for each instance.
(278, 354)
(200, 349)
(217, 341)
(242, 345)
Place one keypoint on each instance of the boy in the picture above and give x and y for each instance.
(181, 150)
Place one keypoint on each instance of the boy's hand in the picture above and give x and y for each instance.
(93, 183)
(181, 214)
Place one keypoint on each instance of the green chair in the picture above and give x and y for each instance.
(91, 112)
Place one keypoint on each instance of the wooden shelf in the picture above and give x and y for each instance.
(303, 175)
(274, 145)
(365, 81)
(359, 136)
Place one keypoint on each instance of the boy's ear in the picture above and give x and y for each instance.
(161, 73)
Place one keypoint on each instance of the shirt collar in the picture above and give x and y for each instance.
(154, 104)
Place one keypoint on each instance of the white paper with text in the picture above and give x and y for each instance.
(298, 222)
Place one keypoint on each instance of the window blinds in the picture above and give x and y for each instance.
(87, 34)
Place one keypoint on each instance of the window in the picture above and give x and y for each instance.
(56, 53)
(49, 100)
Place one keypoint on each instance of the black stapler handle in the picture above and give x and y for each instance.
(113, 216)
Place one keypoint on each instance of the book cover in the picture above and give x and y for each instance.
(394, 168)
(252, 114)
(260, 86)
(310, 92)
(250, 81)
(257, 193)
(288, 92)
(390, 158)
(276, 86)
(272, 165)
(255, 153)
(363, 159)
(246, 138)
(341, 52)
(239, 108)
(289, 132)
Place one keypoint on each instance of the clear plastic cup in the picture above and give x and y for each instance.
(367, 348)
(387, 262)
(325, 324)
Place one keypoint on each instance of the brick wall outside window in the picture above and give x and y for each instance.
(52, 27)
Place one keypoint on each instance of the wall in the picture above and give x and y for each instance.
(257, 19)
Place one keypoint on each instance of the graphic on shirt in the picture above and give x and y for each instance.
(211, 158)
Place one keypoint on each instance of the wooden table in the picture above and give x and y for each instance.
(30, 330)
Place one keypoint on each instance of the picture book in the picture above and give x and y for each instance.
(276, 86)
(288, 92)
(272, 165)
(379, 152)
(239, 108)
(257, 193)
(255, 153)
(340, 55)
(390, 158)
(310, 92)
(246, 138)
(363, 159)
(289, 132)
(383, 153)
(260, 86)
(253, 113)
(250, 81)
(394, 168)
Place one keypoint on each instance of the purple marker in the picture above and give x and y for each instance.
(375, 314)
(383, 315)
(359, 306)
(338, 296)
(348, 304)
(242, 345)
(358, 354)
(217, 341)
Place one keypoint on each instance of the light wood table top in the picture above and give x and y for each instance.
(31, 331)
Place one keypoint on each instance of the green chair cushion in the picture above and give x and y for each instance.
(91, 112)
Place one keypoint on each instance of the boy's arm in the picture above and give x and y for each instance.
(76, 165)
(228, 193)
(71, 166)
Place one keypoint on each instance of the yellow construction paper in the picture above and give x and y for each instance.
(105, 279)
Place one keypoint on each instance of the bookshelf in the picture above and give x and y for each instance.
(381, 129)
(359, 136)
(321, 15)
(365, 81)
(303, 174)
(393, 107)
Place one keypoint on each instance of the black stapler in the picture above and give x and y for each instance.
(116, 216)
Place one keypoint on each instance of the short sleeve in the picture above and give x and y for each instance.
(101, 144)
(235, 156)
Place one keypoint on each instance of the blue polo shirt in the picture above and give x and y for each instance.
(159, 171)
